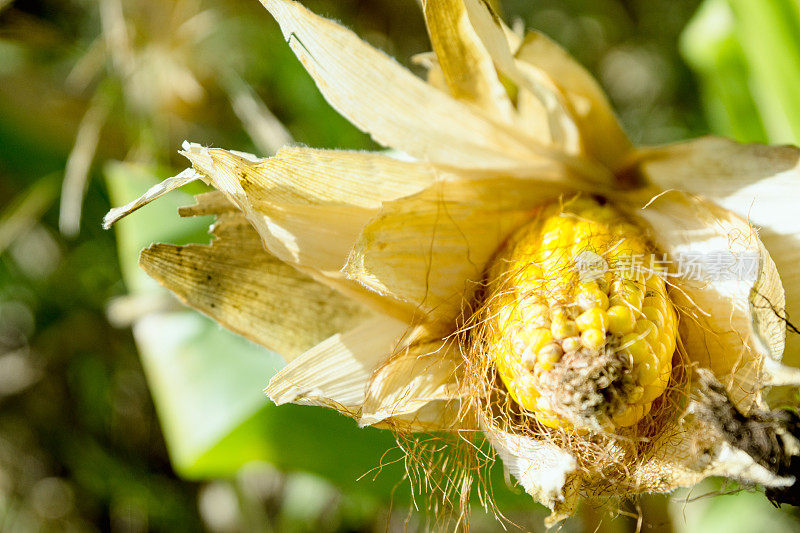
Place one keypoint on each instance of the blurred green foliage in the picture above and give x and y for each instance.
(747, 55)
(82, 443)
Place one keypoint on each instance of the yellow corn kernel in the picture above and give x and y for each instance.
(653, 391)
(563, 328)
(620, 320)
(648, 373)
(563, 318)
(627, 292)
(539, 338)
(594, 318)
(653, 315)
(629, 416)
(638, 348)
(548, 356)
(645, 328)
(593, 339)
(589, 295)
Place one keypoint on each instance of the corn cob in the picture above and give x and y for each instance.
(580, 348)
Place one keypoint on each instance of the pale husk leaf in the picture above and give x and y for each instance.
(418, 375)
(428, 251)
(465, 64)
(687, 451)
(237, 283)
(725, 324)
(601, 133)
(759, 183)
(309, 205)
(336, 372)
(547, 472)
(692, 451)
(562, 129)
(156, 191)
(386, 100)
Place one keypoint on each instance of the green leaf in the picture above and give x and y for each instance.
(747, 55)
(709, 44)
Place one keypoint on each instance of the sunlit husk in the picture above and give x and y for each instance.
(398, 109)
(237, 283)
(335, 372)
(468, 70)
(421, 374)
(602, 136)
(428, 251)
(759, 183)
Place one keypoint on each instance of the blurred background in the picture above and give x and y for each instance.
(119, 409)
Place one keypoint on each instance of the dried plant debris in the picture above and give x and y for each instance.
(771, 438)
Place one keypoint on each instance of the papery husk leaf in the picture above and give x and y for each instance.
(209, 203)
(601, 133)
(759, 183)
(156, 191)
(237, 283)
(435, 75)
(693, 451)
(546, 471)
(418, 375)
(725, 324)
(386, 100)
(465, 64)
(309, 205)
(428, 251)
(562, 129)
(432, 416)
(336, 372)
(530, 115)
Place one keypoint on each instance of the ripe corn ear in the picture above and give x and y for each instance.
(581, 330)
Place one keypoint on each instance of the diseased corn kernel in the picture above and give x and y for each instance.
(529, 359)
(571, 344)
(620, 320)
(538, 315)
(636, 394)
(595, 350)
